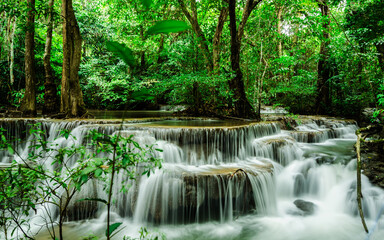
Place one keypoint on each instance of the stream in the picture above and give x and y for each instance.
(226, 180)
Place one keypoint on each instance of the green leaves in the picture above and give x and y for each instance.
(146, 3)
(380, 99)
(168, 26)
(10, 150)
(98, 172)
(24, 186)
(112, 228)
(142, 95)
(65, 133)
(88, 170)
(121, 51)
(376, 114)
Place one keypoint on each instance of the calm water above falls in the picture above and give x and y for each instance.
(292, 184)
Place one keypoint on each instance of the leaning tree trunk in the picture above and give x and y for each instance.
(323, 100)
(242, 107)
(192, 18)
(279, 31)
(216, 39)
(142, 54)
(51, 101)
(12, 53)
(72, 103)
(29, 101)
(161, 47)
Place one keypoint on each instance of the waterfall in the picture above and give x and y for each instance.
(251, 181)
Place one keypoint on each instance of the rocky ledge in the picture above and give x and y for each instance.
(372, 153)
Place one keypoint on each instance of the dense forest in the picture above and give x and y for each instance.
(220, 58)
(203, 172)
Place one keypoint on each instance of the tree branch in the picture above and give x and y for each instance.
(249, 6)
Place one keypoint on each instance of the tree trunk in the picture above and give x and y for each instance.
(72, 103)
(142, 54)
(51, 101)
(7, 37)
(358, 181)
(161, 47)
(248, 8)
(279, 24)
(323, 100)
(197, 104)
(3, 32)
(203, 45)
(280, 76)
(3, 20)
(216, 39)
(242, 107)
(12, 52)
(29, 101)
(380, 51)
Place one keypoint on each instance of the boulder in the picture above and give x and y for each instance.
(325, 159)
(307, 208)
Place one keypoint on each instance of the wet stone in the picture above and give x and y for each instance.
(325, 159)
(307, 208)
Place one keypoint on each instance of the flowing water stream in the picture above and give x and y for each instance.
(225, 180)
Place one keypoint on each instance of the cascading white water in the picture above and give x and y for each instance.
(246, 182)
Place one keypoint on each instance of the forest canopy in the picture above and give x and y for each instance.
(220, 58)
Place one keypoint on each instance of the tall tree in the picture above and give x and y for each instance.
(323, 100)
(242, 107)
(29, 101)
(51, 102)
(72, 104)
(12, 52)
(216, 39)
(279, 24)
(211, 58)
(365, 23)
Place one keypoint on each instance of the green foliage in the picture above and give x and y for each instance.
(291, 120)
(122, 51)
(19, 195)
(168, 26)
(142, 95)
(211, 91)
(279, 57)
(36, 180)
(112, 228)
(17, 97)
(106, 85)
(378, 114)
(121, 92)
(146, 3)
(13, 14)
(298, 95)
(126, 153)
(365, 21)
(145, 234)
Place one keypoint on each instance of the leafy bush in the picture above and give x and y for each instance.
(378, 114)
(52, 174)
(297, 95)
(196, 89)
